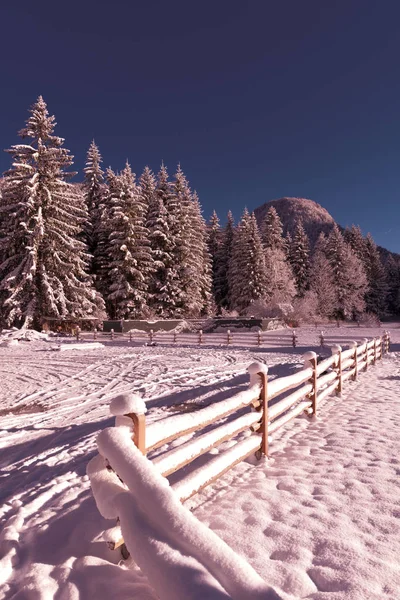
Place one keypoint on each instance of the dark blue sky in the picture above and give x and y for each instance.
(256, 99)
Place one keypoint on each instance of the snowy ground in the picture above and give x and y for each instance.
(319, 520)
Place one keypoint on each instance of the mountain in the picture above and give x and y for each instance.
(314, 217)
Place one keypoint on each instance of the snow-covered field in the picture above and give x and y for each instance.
(319, 520)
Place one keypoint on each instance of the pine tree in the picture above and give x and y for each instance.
(215, 251)
(247, 276)
(222, 286)
(355, 239)
(350, 281)
(393, 285)
(322, 282)
(376, 296)
(199, 242)
(93, 187)
(147, 185)
(281, 287)
(165, 284)
(190, 249)
(299, 258)
(130, 261)
(272, 231)
(43, 272)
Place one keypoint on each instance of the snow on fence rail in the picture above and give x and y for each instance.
(272, 407)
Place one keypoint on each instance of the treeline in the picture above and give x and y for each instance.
(139, 248)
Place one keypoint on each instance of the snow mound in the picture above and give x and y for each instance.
(8, 343)
(29, 335)
(127, 403)
(83, 346)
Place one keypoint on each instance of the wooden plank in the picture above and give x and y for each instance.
(200, 419)
(348, 374)
(288, 416)
(325, 379)
(178, 457)
(218, 466)
(283, 384)
(283, 405)
(327, 391)
(326, 364)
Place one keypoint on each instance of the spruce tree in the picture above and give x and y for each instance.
(162, 225)
(215, 250)
(299, 258)
(350, 281)
(272, 231)
(322, 282)
(247, 276)
(130, 261)
(43, 272)
(376, 296)
(393, 285)
(147, 185)
(355, 239)
(222, 276)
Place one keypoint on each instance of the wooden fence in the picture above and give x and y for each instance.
(238, 338)
(274, 408)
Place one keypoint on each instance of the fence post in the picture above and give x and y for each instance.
(321, 339)
(139, 431)
(354, 345)
(365, 341)
(294, 338)
(259, 371)
(374, 351)
(229, 337)
(200, 336)
(388, 341)
(175, 337)
(78, 333)
(151, 334)
(258, 338)
(112, 334)
(130, 336)
(336, 349)
(310, 360)
(95, 333)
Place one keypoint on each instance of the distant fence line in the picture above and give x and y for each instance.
(279, 337)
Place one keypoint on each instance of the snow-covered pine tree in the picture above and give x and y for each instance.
(199, 241)
(299, 258)
(272, 231)
(393, 284)
(43, 272)
(246, 275)
(215, 251)
(93, 186)
(322, 281)
(147, 185)
(350, 281)
(376, 296)
(165, 285)
(130, 261)
(222, 279)
(354, 237)
(190, 250)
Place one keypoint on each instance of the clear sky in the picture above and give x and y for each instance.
(257, 100)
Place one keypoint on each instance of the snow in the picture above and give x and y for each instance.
(124, 404)
(162, 534)
(317, 521)
(82, 346)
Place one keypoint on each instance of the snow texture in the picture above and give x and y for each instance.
(319, 520)
(128, 403)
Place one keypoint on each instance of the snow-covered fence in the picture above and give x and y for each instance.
(274, 408)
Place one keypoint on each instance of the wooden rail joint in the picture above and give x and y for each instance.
(310, 360)
(259, 374)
